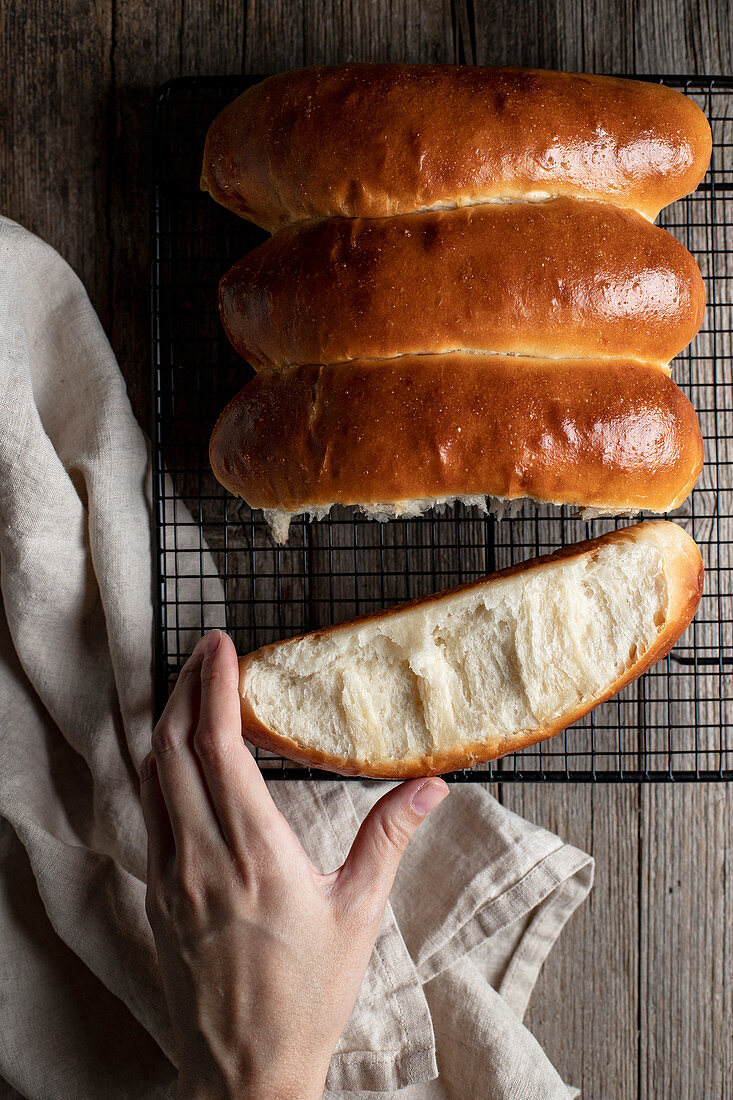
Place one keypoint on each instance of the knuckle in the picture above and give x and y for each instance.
(186, 897)
(209, 744)
(165, 741)
(393, 834)
(196, 902)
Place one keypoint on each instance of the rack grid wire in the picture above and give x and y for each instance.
(215, 564)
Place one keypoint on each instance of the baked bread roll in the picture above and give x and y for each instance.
(560, 279)
(373, 140)
(398, 436)
(475, 672)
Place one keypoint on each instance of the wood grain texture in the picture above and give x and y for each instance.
(151, 44)
(683, 36)
(686, 938)
(584, 1010)
(57, 84)
(586, 36)
(406, 30)
(635, 999)
(273, 36)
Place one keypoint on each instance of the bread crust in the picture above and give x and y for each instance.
(684, 574)
(616, 436)
(552, 279)
(373, 140)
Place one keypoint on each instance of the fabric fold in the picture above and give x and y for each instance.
(465, 896)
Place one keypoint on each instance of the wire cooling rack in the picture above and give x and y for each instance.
(215, 564)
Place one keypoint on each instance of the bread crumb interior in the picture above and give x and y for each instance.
(477, 666)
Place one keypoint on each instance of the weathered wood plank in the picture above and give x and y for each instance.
(584, 1010)
(273, 36)
(686, 907)
(56, 79)
(407, 30)
(683, 36)
(607, 37)
(151, 45)
(591, 36)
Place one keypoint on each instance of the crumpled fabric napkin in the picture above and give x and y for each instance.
(481, 895)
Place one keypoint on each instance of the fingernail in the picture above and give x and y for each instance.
(211, 642)
(430, 795)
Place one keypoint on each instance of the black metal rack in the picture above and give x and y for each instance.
(215, 564)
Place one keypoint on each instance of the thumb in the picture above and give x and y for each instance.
(385, 832)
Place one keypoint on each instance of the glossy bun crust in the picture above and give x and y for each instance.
(557, 279)
(373, 140)
(608, 435)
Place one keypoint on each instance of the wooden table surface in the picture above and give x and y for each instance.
(635, 1000)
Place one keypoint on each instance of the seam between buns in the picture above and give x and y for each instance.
(499, 200)
(657, 364)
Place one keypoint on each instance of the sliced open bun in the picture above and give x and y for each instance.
(475, 672)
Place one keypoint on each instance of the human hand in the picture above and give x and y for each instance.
(261, 955)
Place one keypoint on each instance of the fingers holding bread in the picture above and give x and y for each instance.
(243, 806)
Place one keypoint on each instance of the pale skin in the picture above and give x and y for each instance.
(261, 954)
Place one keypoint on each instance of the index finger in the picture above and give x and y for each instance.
(236, 785)
(192, 818)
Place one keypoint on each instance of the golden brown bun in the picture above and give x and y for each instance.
(609, 435)
(372, 140)
(554, 279)
(682, 570)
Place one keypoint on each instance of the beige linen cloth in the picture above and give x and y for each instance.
(481, 895)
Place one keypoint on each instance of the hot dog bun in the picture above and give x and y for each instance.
(560, 279)
(373, 140)
(401, 435)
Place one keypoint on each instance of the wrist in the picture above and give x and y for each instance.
(282, 1088)
(272, 1085)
